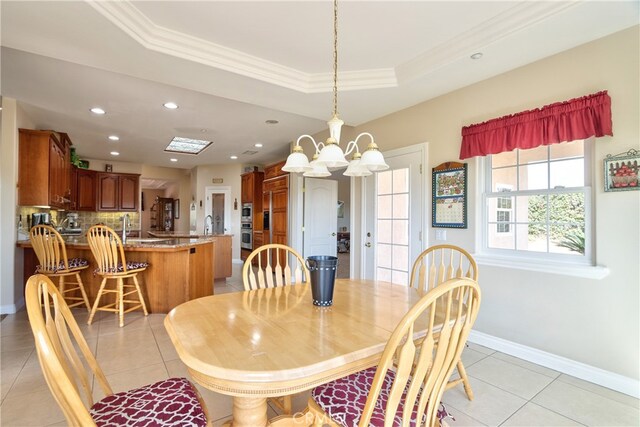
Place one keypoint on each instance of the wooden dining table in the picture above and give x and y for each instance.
(273, 342)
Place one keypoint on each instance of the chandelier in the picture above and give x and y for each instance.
(329, 154)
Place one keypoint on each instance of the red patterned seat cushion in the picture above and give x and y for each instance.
(73, 263)
(344, 399)
(131, 265)
(172, 402)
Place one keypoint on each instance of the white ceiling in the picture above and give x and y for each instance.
(231, 66)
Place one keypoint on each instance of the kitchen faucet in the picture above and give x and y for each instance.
(125, 221)
(206, 228)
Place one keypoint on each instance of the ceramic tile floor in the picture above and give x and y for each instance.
(508, 391)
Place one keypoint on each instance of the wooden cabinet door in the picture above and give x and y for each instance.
(53, 174)
(57, 170)
(108, 192)
(85, 193)
(128, 192)
(247, 188)
(33, 168)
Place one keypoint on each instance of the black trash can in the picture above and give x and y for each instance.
(322, 269)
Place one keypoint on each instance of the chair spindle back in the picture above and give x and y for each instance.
(107, 249)
(49, 247)
(273, 267)
(66, 360)
(440, 263)
(423, 366)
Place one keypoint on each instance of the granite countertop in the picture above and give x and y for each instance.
(134, 242)
(183, 234)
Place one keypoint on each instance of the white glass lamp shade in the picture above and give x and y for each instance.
(373, 160)
(318, 169)
(297, 162)
(332, 156)
(356, 169)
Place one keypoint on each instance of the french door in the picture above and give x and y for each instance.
(394, 216)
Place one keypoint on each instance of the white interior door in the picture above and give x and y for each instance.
(393, 216)
(320, 217)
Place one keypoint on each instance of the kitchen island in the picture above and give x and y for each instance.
(180, 269)
(222, 256)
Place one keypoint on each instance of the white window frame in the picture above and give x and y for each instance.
(569, 264)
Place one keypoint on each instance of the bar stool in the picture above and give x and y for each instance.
(107, 249)
(51, 251)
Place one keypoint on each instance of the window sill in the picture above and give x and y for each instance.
(595, 272)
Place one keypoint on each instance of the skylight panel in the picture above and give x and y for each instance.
(187, 145)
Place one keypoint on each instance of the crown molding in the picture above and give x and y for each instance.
(129, 19)
(138, 26)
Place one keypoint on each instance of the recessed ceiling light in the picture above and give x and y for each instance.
(174, 160)
(187, 145)
(170, 105)
(271, 122)
(257, 145)
(233, 157)
(203, 130)
(98, 110)
(114, 137)
(115, 153)
(476, 55)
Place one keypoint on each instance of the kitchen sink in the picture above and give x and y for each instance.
(145, 240)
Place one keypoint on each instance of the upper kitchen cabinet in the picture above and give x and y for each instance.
(83, 190)
(44, 176)
(118, 191)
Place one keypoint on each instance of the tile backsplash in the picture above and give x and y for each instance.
(86, 219)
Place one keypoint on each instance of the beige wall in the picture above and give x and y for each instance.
(595, 322)
(11, 280)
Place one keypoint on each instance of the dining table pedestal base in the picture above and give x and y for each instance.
(249, 412)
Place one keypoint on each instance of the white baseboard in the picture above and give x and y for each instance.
(576, 369)
(12, 308)
(237, 261)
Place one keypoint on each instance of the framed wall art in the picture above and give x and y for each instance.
(449, 193)
(621, 171)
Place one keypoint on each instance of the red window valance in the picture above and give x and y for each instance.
(578, 118)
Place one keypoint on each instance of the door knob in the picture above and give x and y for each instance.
(333, 234)
(368, 244)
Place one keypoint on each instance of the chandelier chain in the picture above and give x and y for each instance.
(335, 57)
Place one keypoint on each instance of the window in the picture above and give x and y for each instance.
(537, 202)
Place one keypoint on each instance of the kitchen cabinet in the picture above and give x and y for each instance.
(248, 185)
(252, 193)
(84, 190)
(44, 168)
(275, 204)
(118, 192)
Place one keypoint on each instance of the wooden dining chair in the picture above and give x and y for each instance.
(272, 267)
(433, 267)
(272, 270)
(70, 369)
(407, 385)
(107, 249)
(51, 252)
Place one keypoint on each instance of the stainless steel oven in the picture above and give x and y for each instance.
(246, 236)
(247, 212)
